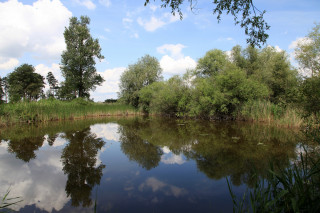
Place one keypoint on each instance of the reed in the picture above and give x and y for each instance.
(52, 109)
(265, 111)
(7, 202)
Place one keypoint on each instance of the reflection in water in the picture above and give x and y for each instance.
(178, 164)
(51, 139)
(79, 160)
(237, 150)
(24, 148)
(145, 154)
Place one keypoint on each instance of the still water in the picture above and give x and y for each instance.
(137, 164)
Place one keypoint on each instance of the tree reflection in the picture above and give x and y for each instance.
(144, 153)
(52, 138)
(79, 160)
(24, 148)
(237, 150)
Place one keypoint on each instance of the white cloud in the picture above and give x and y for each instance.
(86, 3)
(106, 3)
(175, 63)
(153, 7)
(8, 63)
(36, 29)
(55, 69)
(155, 23)
(112, 80)
(301, 40)
(173, 49)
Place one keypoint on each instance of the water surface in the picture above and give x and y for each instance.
(137, 164)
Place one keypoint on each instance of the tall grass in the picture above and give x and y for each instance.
(266, 111)
(52, 109)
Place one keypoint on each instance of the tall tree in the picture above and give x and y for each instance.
(146, 71)
(52, 83)
(252, 19)
(1, 90)
(78, 60)
(307, 52)
(25, 84)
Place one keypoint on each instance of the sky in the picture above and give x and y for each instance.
(31, 31)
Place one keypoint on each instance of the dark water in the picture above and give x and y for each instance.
(137, 164)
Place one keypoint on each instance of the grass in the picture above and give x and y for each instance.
(52, 109)
(265, 111)
(294, 189)
(7, 202)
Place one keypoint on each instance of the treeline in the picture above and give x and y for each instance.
(245, 83)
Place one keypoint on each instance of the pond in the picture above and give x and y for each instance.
(137, 164)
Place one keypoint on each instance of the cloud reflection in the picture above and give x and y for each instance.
(169, 158)
(33, 181)
(108, 131)
(158, 186)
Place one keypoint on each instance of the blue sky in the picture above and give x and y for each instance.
(32, 32)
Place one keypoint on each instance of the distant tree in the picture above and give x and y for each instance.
(307, 51)
(252, 19)
(146, 71)
(66, 92)
(25, 84)
(78, 60)
(52, 83)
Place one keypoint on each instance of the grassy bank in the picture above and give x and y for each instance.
(265, 111)
(48, 110)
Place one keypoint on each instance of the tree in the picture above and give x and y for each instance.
(25, 84)
(52, 83)
(146, 71)
(307, 52)
(212, 63)
(1, 90)
(252, 19)
(78, 60)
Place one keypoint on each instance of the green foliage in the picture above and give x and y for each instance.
(270, 67)
(214, 62)
(252, 19)
(307, 52)
(310, 95)
(78, 60)
(143, 73)
(223, 87)
(24, 83)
